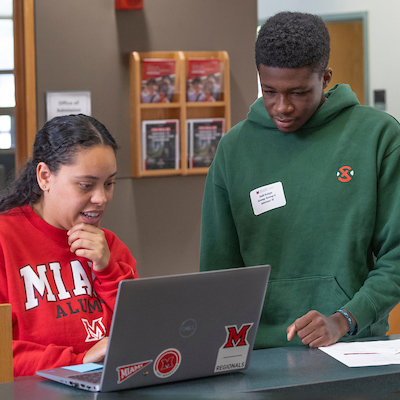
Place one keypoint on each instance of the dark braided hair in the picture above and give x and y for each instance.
(55, 145)
(293, 40)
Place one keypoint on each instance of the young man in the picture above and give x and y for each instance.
(310, 184)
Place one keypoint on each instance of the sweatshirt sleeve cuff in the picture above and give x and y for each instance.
(363, 311)
(110, 273)
(79, 358)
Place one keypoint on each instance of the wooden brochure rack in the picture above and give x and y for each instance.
(177, 109)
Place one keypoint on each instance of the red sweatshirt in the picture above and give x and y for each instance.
(60, 307)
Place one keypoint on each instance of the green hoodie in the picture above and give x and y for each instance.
(332, 237)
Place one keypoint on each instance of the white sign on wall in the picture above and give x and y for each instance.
(66, 103)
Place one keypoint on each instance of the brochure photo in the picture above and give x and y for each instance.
(160, 144)
(203, 79)
(158, 80)
(203, 137)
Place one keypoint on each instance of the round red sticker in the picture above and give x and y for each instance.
(167, 363)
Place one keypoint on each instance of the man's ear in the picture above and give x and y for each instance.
(327, 77)
(43, 175)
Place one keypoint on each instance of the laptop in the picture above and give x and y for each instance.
(175, 328)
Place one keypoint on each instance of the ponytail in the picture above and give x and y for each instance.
(24, 190)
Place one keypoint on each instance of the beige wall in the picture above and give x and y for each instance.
(84, 45)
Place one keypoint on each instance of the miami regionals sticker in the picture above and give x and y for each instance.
(233, 353)
(167, 363)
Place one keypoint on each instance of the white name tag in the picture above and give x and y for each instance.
(266, 198)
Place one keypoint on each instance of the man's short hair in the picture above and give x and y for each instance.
(293, 40)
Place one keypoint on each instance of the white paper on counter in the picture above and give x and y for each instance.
(365, 354)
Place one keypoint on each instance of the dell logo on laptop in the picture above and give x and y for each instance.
(188, 328)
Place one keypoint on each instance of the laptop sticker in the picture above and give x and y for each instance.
(233, 353)
(167, 363)
(127, 371)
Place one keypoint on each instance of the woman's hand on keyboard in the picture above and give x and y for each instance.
(97, 352)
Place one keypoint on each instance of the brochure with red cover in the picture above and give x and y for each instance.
(158, 80)
(203, 79)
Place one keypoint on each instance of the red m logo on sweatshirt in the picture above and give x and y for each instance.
(95, 330)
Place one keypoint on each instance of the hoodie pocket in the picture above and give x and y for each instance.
(289, 299)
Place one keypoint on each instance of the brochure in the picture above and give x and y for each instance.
(203, 79)
(158, 80)
(203, 137)
(160, 144)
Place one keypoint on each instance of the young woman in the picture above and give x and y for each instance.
(58, 268)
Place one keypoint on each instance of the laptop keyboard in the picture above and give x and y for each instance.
(92, 377)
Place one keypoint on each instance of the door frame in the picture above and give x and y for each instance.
(25, 80)
(363, 17)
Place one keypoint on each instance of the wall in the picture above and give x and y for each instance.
(383, 37)
(84, 45)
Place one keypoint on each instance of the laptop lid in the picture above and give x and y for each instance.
(180, 327)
